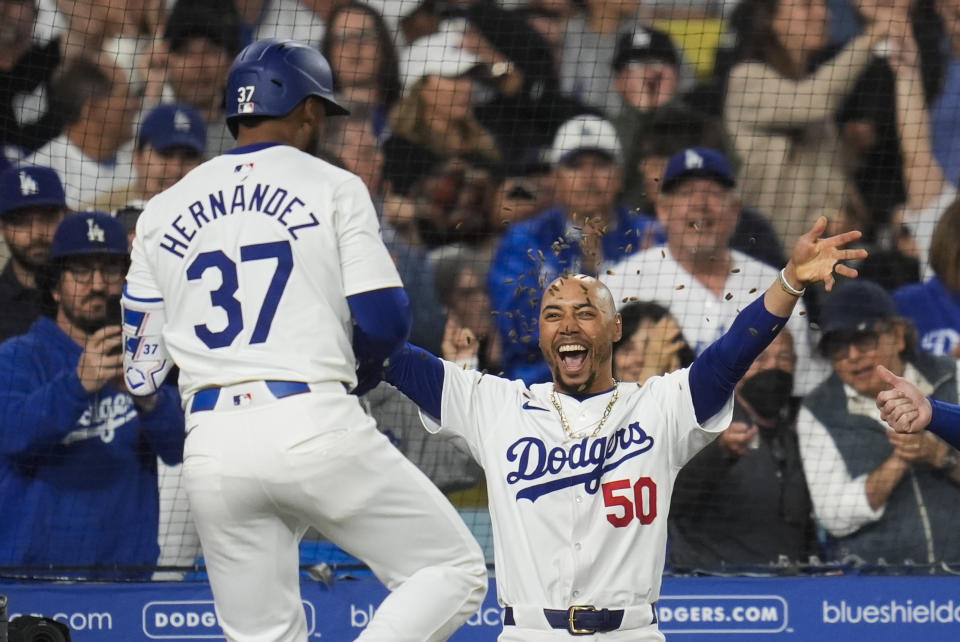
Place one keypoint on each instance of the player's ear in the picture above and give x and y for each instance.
(314, 111)
(618, 332)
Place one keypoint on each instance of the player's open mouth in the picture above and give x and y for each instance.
(572, 356)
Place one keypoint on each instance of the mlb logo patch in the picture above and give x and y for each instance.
(243, 400)
(246, 108)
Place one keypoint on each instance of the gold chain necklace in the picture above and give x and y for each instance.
(603, 420)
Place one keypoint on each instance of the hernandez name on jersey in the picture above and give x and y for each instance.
(262, 246)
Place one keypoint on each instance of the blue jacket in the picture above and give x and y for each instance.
(532, 254)
(78, 472)
(935, 311)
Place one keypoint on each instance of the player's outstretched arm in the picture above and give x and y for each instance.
(906, 409)
(715, 373)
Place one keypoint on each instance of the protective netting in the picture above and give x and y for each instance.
(504, 144)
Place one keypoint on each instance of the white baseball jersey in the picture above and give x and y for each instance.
(253, 254)
(654, 275)
(577, 520)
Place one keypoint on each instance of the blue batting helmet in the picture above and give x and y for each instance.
(270, 77)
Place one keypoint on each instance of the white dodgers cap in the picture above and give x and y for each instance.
(439, 54)
(586, 133)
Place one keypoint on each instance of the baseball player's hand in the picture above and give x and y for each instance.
(903, 406)
(816, 259)
(735, 440)
(102, 358)
(918, 447)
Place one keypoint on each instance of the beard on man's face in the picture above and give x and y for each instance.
(87, 322)
(34, 256)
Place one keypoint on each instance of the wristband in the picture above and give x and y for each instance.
(789, 289)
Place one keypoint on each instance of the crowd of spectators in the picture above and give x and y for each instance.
(504, 144)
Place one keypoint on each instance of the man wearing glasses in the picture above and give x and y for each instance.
(78, 472)
(882, 496)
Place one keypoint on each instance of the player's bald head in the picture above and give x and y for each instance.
(580, 286)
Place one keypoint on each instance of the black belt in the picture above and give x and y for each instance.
(206, 399)
(578, 620)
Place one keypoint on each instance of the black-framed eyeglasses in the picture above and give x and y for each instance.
(82, 271)
(836, 346)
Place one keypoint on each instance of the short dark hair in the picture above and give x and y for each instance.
(215, 20)
(674, 127)
(81, 80)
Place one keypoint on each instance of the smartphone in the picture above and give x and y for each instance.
(114, 316)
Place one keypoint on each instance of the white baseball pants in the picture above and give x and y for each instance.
(259, 471)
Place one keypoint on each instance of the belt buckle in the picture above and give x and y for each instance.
(572, 616)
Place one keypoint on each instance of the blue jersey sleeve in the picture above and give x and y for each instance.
(381, 325)
(419, 375)
(715, 373)
(945, 422)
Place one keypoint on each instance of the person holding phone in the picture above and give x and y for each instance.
(77, 453)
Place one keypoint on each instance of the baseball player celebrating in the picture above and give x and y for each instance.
(580, 471)
(262, 275)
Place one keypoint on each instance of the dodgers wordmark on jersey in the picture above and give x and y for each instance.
(561, 536)
(241, 283)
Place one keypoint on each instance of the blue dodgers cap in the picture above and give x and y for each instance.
(30, 186)
(694, 162)
(856, 306)
(89, 233)
(174, 125)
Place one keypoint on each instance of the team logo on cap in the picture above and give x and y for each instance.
(692, 160)
(641, 39)
(28, 186)
(95, 232)
(181, 122)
